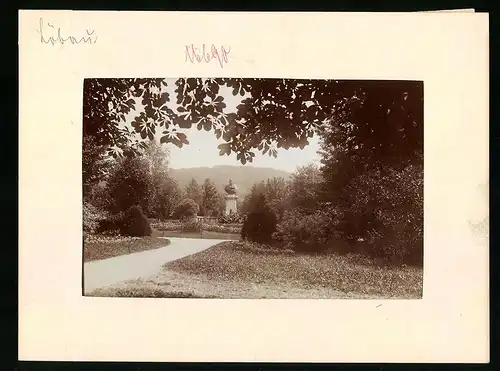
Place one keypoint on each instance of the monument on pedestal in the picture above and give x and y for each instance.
(231, 198)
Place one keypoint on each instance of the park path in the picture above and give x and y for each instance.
(101, 273)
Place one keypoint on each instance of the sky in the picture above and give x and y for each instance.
(202, 148)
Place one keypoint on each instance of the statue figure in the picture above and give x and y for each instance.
(231, 197)
(231, 188)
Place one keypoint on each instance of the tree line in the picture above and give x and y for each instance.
(383, 217)
(142, 181)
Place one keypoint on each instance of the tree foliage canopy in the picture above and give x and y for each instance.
(382, 129)
(187, 209)
(274, 113)
(193, 191)
(211, 199)
(303, 188)
(130, 184)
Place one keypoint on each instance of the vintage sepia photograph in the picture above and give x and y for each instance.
(252, 188)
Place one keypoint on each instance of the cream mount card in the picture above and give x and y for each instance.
(447, 52)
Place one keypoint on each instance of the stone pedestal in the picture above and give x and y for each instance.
(231, 207)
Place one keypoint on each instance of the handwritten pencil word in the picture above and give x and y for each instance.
(204, 54)
(49, 34)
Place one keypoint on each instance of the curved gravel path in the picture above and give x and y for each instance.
(102, 273)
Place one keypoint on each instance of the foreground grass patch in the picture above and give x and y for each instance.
(108, 247)
(145, 292)
(232, 261)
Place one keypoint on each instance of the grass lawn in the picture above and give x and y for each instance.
(237, 270)
(108, 247)
(146, 292)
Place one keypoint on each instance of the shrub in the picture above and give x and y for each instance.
(191, 225)
(186, 209)
(135, 223)
(129, 184)
(234, 218)
(168, 225)
(391, 202)
(259, 224)
(233, 225)
(111, 225)
(300, 231)
(92, 217)
(222, 228)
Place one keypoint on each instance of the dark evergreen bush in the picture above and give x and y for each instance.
(307, 232)
(260, 224)
(135, 223)
(111, 224)
(187, 209)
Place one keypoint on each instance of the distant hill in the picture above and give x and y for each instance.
(243, 176)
